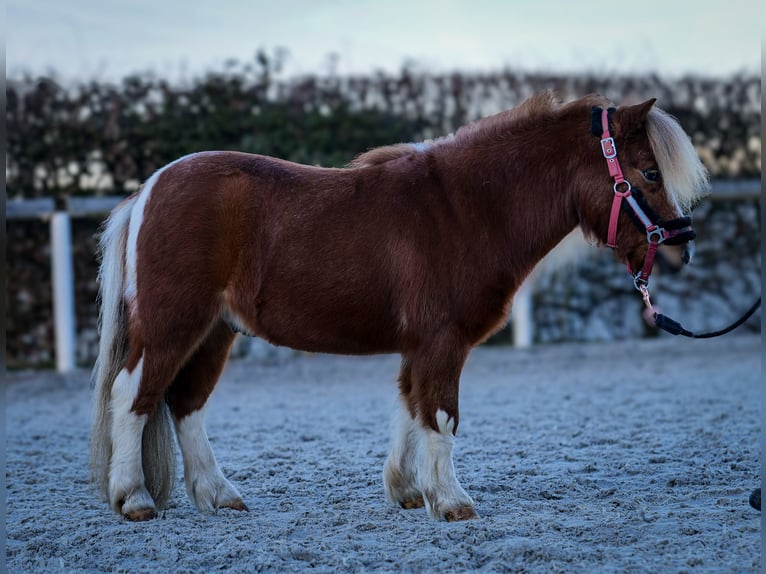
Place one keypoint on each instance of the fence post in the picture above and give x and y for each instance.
(521, 316)
(63, 291)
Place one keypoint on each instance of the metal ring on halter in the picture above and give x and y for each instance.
(640, 283)
(626, 182)
(658, 231)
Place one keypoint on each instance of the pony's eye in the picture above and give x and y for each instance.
(651, 175)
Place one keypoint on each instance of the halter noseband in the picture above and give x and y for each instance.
(631, 199)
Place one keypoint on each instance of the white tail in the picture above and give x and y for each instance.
(158, 450)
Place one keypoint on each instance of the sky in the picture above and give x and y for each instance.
(108, 39)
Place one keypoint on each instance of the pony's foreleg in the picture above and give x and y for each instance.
(399, 474)
(127, 491)
(421, 460)
(205, 483)
(435, 472)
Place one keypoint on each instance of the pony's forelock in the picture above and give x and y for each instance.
(684, 175)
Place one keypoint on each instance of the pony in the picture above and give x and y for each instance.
(414, 249)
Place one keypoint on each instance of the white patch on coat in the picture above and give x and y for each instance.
(420, 146)
(426, 145)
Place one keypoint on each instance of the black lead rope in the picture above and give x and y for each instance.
(674, 327)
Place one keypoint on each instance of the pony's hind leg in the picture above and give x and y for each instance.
(205, 483)
(142, 463)
(127, 492)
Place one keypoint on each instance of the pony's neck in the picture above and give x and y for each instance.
(524, 184)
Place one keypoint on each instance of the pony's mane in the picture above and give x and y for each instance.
(685, 178)
(544, 104)
(386, 153)
(485, 129)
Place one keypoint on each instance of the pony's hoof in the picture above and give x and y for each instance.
(237, 505)
(460, 513)
(411, 503)
(137, 506)
(140, 514)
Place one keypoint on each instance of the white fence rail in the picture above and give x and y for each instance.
(62, 264)
(63, 277)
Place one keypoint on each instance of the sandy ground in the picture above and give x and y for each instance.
(624, 457)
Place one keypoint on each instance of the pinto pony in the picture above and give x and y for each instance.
(413, 248)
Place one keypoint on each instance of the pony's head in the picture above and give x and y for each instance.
(663, 180)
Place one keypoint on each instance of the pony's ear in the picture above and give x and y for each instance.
(630, 119)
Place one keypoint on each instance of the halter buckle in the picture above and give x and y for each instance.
(608, 148)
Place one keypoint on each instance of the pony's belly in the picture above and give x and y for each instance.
(339, 330)
(328, 340)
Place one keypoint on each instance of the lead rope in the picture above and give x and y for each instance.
(675, 328)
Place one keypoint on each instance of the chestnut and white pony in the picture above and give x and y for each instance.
(413, 248)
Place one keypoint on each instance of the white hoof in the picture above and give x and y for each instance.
(212, 493)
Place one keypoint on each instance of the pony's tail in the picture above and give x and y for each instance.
(158, 448)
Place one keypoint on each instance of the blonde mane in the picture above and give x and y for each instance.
(686, 179)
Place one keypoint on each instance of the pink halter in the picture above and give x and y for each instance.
(655, 234)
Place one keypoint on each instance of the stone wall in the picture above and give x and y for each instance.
(594, 298)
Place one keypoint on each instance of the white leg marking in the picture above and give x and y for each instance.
(127, 492)
(445, 423)
(205, 483)
(419, 470)
(399, 474)
(434, 471)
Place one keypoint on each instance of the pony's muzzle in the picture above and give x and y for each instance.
(688, 253)
(681, 233)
